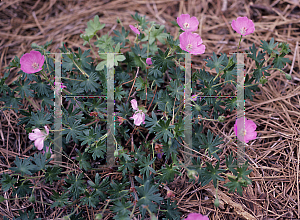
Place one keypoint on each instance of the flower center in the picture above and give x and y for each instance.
(189, 47)
(35, 66)
(243, 132)
(186, 25)
(243, 30)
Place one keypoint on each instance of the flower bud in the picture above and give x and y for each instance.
(217, 202)
(153, 217)
(170, 194)
(48, 155)
(192, 174)
(98, 217)
(116, 153)
(221, 118)
(288, 76)
(2, 199)
(263, 80)
(31, 199)
(198, 108)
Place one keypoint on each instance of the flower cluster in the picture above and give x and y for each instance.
(190, 42)
(154, 159)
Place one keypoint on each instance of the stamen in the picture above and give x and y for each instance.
(242, 132)
(243, 30)
(186, 25)
(35, 66)
(189, 47)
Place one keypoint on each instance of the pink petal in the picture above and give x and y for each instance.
(199, 50)
(33, 136)
(250, 125)
(196, 216)
(36, 134)
(250, 136)
(26, 64)
(194, 24)
(134, 29)
(182, 19)
(143, 117)
(138, 120)
(183, 41)
(233, 25)
(149, 61)
(47, 149)
(134, 104)
(47, 130)
(39, 143)
(37, 56)
(194, 98)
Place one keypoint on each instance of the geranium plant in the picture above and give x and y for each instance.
(149, 88)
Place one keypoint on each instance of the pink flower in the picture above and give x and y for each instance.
(61, 85)
(47, 150)
(139, 115)
(134, 29)
(38, 137)
(243, 26)
(32, 62)
(138, 118)
(149, 61)
(194, 97)
(159, 155)
(170, 194)
(191, 43)
(186, 23)
(120, 119)
(196, 216)
(134, 104)
(249, 133)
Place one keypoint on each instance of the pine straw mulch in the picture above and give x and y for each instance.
(274, 156)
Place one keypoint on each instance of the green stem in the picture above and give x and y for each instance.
(148, 41)
(81, 70)
(272, 55)
(132, 212)
(32, 102)
(46, 77)
(277, 69)
(118, 20)
(72, 79)
(239, 43)
(222, 83)
(108, 201)
(228, 175)
(251, 85)
(93, 51)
